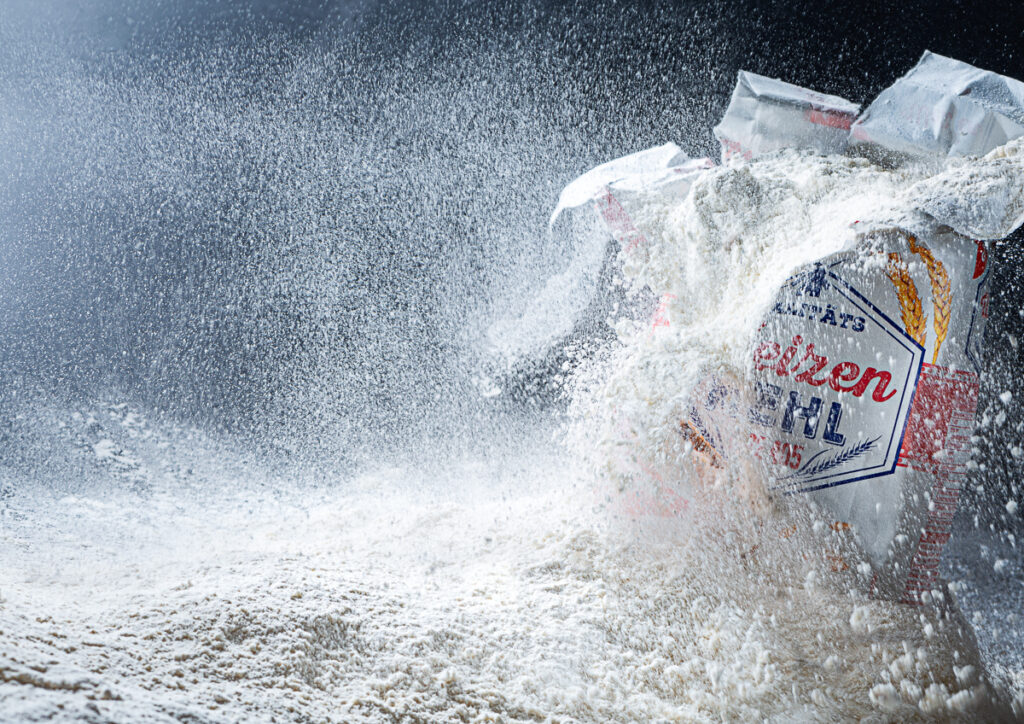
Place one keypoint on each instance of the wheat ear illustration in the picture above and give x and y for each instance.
(700, 444)
(942, 296)
(840, 458)
(910, 302)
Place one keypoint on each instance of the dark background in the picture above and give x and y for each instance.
(293, 222)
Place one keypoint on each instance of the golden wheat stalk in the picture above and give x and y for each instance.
(942, 296)
(910, 302)
(700, 444)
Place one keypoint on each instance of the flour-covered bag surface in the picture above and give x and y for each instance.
(904, 372)
(863, 376)
(821, 329)
(620, 190)
(865, 381)
(625, 199)
(765, 115)
(942, 108)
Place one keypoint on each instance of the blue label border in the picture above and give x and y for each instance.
(900, 337)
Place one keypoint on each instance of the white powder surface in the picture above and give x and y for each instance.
(379, 607)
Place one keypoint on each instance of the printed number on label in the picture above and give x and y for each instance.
(777, 452)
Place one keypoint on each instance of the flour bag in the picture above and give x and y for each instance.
(860, 383)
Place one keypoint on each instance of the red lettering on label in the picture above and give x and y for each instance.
(884, 378)
(779, 453)
(769, 355)
(819, 363)
(981, 261)
(766, 352)
(843, 372)
(782, 368)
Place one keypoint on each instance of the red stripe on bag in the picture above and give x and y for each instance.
(619, 222)
(830, 119)
(937, 441)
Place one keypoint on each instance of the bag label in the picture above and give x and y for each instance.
(834, 382)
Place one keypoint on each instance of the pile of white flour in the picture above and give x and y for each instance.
(380, 608)
(518, 599)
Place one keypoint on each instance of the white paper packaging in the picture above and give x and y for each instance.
(765, 115)
(942, 108)
(863, 379)
(615, 189)
(863, 390)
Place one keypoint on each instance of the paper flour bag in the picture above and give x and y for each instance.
(942, 108)
(618, 189)
(765, 115)
(866, 375)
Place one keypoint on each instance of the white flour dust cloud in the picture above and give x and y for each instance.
(265, 454)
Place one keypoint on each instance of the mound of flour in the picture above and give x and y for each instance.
(377, 606)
